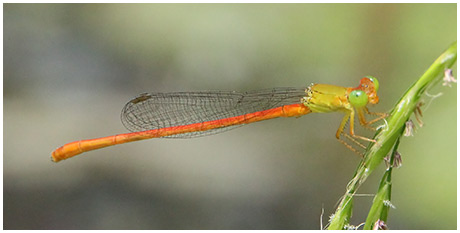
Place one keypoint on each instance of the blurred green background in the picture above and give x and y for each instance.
(70, 68)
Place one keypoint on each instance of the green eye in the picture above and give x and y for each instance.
(375, 81)
(358, 98)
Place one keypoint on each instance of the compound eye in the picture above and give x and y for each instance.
(358, 98)
(375, 81)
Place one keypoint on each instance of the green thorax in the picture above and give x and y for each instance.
(326, 98)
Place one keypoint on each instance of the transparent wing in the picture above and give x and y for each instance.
(162, 110)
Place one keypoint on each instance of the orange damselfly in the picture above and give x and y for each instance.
(195, 114)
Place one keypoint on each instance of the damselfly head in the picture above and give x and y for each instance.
(370, 85)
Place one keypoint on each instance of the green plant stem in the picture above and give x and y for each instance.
(381, 203)
(387, 137)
